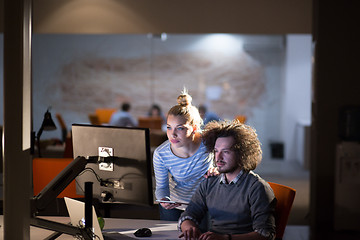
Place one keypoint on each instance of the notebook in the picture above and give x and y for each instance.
(76, 210)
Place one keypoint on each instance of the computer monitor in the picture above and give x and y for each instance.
(123, 173)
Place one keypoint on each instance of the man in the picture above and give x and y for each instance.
(122, 117)
(206, 115)
(240, 203)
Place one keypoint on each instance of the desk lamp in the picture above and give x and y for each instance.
(47, 125)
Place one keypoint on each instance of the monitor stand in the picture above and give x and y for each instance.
(52, 190)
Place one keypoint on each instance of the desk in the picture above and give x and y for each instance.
(161, 229)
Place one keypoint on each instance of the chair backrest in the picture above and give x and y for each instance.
(104, 114)
(63, 126)
(285, 197)
(157, 137)
(241, 118)
(150, 122)
(61, 121)
(94, 119)
(68, 151)
(46, 169)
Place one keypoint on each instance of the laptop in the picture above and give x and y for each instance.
(76, 210)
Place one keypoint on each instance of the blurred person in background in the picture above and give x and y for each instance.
(206, 115)
(122, 117)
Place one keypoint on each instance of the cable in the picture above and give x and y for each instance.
(88, 170)
(122, 177)
(89, 232)
(91, 170)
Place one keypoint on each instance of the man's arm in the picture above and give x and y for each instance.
(263, 203)
(189, 230)
(195, 211)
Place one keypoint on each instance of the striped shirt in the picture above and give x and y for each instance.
(178, 178)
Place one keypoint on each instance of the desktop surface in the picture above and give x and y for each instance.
(161, 230)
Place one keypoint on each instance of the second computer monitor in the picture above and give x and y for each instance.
(124, 178)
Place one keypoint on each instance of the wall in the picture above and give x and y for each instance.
(335, 85)
(2, 79)
(186, 16)
(1, 96)
(142, 16)
(296, 115)
(74, 74)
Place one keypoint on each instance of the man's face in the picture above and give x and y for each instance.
(225, 157)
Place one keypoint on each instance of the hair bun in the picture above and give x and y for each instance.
(184, 100)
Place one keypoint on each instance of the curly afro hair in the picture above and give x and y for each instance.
(247, 146)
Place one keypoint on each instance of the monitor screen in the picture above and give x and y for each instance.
(122, 173)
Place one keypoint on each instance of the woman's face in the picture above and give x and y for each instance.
(179, 131)
(155, 112)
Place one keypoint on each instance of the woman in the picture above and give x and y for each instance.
(183, 155)
(155, 111)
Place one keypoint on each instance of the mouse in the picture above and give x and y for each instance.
(143, 232)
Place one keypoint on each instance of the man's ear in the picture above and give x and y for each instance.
(194, 128)
(240, 163)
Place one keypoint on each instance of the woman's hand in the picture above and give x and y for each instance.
(212, 172)
(169, 205)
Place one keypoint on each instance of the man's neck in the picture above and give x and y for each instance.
(229, 176)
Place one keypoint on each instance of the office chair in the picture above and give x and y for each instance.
(285, 197)
(150, 122)
(94, 119)
(63, 127)
(68, 151)
(46, 169)
(241, 118)
(104, 114)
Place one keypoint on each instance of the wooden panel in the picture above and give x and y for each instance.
(150, 122)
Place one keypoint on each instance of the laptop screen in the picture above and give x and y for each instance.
(76, 210)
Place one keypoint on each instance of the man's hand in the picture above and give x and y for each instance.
(190, 234)
(213, 236)
(189, 230)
